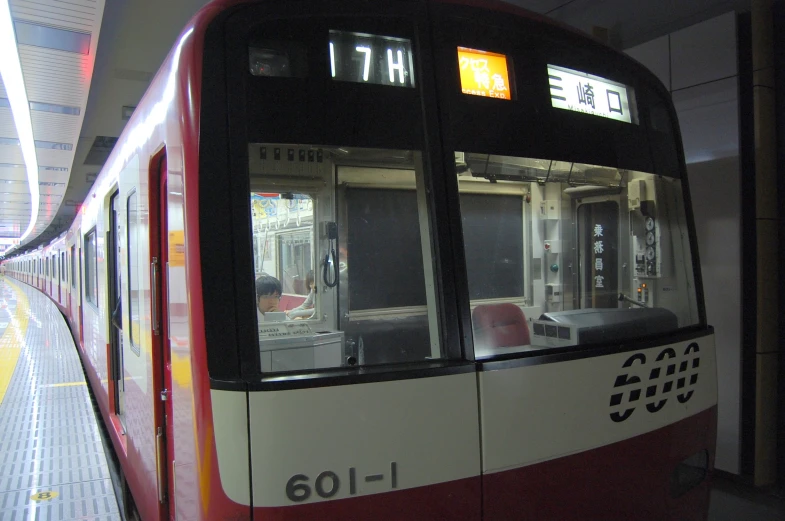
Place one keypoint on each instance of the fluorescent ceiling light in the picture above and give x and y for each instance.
(11, 71)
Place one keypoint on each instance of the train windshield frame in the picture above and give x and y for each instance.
(443, 130)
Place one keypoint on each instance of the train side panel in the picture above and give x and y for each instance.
(627, 412)
(200, 492)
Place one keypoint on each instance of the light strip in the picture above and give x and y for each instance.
(11, 71)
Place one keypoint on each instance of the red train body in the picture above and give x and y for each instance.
(205, 432)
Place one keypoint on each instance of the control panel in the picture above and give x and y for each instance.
(279, 330)
(294, 346)
(645, 228)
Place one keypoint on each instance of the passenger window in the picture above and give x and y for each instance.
(133, 271)
(73, 267)
(63, 270)
(561, 254)
(91, 276)
(342, 258)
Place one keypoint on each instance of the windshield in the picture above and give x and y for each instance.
(342, 256)
(563, 254)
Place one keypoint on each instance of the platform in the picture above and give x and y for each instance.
(52, 462)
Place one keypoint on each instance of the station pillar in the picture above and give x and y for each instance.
(767, 248)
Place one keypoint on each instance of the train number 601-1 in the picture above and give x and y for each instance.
(298, 490)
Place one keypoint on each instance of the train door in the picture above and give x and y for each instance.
(64, 279)
(161, 347)
(601, 238)
(81, 295)
(114, 274)
(71, 280)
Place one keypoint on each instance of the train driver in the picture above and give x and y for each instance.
(268, 295)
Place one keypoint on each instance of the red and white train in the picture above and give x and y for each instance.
(507, 319)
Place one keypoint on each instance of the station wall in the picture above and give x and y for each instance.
(699, 66)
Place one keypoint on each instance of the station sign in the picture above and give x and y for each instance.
(582, 92)
(484, 73)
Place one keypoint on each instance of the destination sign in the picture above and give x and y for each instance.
(582, 92)
(369, 58)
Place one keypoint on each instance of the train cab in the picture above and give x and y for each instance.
(558, 253)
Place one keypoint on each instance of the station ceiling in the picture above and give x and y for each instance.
(87, 63)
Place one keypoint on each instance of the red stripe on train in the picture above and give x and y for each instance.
(455, 500)
(602, 484)
(619, 482)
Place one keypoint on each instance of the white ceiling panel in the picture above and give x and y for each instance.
(7, 127)
(47, 177)
(53, 76)
(48, 157)
(57, 42)
(54, 127)
(12, 171)
(11, 155)
(73, 14)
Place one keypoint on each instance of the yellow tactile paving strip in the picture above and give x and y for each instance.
(13, 336)
(52, 461)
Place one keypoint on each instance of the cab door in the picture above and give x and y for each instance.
(60, 269)
(161, 346)
(114, 274)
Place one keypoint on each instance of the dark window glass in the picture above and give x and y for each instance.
(91, 262)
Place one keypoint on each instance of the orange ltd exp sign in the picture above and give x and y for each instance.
(484, 73)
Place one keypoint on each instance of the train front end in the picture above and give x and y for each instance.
(451, 273)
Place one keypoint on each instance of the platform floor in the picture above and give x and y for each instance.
(733, 501)
(52, 462)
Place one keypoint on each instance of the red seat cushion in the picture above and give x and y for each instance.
(500, 325)
(289, 301)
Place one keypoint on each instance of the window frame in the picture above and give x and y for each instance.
(280, 238)
(73, 266)
(86, 238)
(129, 278)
